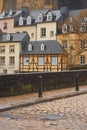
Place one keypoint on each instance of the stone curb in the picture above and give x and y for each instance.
(30, 102)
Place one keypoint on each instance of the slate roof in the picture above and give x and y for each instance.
(34, 15)
(51, 47)
(7, 14)
(14, 37)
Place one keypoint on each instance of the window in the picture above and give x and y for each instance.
(2, 49)
(11, 49)
(11, 60)
(43, 32)
(82, 44)
(64, 28)
(83, 27)
(8, 37)
(51, 33)
(64, 44)
(70, 28)
(28, 20)
(2, 60)
(20, 21)
(30, 47)
(40, 18)
(54, 61)
(49, 16)
(40, 61)
(25, 61)
(5, 25)
(42, 47)
(82, 60)
(11, 13)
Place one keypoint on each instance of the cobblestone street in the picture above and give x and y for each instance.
(64, 114)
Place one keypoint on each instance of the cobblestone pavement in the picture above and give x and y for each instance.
(64, 114)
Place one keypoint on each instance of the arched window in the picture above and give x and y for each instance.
(11, 13)
(40, 18)
(49, 16)
(83, 27)
(71, 28)
(20, 21)
(30, 47)
(8, 37)
(64, 28)
(28, 20)
(42, 47)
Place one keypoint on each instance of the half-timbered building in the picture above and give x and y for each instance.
(43, 56)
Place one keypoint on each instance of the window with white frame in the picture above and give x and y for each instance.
(71, 28)
(2, 60)
(82, 44)
(11, 60)
(20, 21)
(8, 37)
(64, 28)
(11, 48)
(54, 60)
(40, 18)
(43, 32)
(2, 49)
(83, 27)
(25, 61)
(28, 20)
(42, 47)
(49, 16)
(40, 60)
(30, 47)
(82, 60)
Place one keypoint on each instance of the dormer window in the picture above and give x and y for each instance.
(30, 47)
(85, 19)
(40, 18)
(11, 12)
(83, 27)
(64, 28)
(70, 28)
(4, 14)
(21, 21)
(49, 16)
(42, 47)
(28, 20)
(8, 37)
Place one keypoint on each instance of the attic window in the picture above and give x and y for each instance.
(42, 47)
(49, 16)
(83, 27)
(30, 47)
(85, 19)
(28, 20)
(70, 28)
(8, 37)
(11, 12)
(40, 18)
(20, 21)
(64, 28)
(4, 14)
